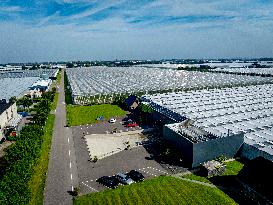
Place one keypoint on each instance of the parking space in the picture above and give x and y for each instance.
(92, 185)
(103, 127)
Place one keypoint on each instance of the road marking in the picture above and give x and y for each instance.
(68, 140)
(69, 152)
(158, 170)
(70, 165)
(89, 187)
(149, 173)
(71, 176)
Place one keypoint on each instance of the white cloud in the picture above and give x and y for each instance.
(10, 9)
(45, 20)
(103, 5)
(248, 34)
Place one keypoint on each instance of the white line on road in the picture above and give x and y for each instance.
(71, 176)
(89, 187)
(68, 140)
(69, 152)
(158, 170)
(149, 173)
(70, 165)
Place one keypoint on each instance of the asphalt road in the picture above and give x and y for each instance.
(62, 174)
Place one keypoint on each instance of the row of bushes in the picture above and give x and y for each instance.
(21, 156)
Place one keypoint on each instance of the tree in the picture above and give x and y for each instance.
(70, 65)
(13, 99)
(25, 102)
(24, 67)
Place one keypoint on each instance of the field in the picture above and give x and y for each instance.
(80, 115)
(161, 190)
(37, 182)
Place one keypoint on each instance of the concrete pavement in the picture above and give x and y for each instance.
(62, 174)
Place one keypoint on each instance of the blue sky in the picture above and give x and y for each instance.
(53, 30)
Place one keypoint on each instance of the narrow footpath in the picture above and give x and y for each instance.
(62, 175)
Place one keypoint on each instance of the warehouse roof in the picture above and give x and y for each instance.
(41, 83)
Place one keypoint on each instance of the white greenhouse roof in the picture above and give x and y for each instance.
(219, 111)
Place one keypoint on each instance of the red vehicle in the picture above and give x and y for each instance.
(132, 124)
(13, 133)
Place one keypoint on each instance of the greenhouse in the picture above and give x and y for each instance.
(29, 73)
(89, 84)
(260, 71)
(10, 87)
(223, 112)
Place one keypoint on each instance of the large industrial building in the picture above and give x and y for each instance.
(224, 114)
(41, 85)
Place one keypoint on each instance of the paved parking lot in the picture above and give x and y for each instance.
(93, 186)
(102, 128)
(136, 158)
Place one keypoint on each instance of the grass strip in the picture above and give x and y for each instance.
(37, 182)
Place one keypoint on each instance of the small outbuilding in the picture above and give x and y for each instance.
(213, 168)
(132, 102)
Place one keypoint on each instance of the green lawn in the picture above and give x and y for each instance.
(233, 168)
(37, 182)
(197, 178)
(55, 101)
(160, 190)
(59, 77)
(80, 115)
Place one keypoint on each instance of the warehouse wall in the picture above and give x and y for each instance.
(197, 153)
(156, 116)
(251, 152)
(226, 146)
(182, 144)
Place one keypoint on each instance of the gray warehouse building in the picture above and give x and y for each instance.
(198, 146)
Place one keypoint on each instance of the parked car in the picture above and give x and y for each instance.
(131, 125)
(124, 178)
(111, 182)
(112, 120)
(136, 176)
(127, 121)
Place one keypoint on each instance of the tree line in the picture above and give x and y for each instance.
(21, 156)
